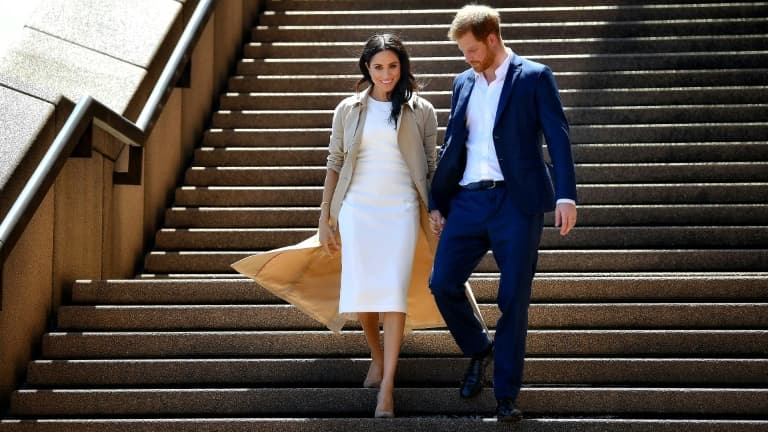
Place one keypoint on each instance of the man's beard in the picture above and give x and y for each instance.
(485, 64)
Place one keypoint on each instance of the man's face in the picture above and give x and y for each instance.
(476, 52)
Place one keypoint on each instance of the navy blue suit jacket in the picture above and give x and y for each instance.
(529, 110)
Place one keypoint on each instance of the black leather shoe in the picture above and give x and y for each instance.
(473, 377)
(507, 411)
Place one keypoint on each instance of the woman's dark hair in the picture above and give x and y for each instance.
(405, 86)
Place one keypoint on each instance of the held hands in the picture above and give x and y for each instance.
(436, 222)
(565, 217)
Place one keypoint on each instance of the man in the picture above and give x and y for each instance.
(490, 192)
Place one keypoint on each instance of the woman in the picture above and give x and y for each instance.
(373, 211)
(377, 202)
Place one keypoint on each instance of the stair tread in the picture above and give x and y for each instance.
(401, 424)
(270, 401)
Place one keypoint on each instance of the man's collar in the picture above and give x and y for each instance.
(501, 71)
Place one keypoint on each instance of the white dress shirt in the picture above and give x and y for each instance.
(482, 162)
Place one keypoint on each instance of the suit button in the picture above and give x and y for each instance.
(496, 137)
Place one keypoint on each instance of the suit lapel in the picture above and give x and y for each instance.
(515, 67)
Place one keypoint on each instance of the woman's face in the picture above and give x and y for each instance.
(384, 68)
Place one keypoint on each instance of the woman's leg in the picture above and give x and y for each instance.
(394, 324)
(370, 323)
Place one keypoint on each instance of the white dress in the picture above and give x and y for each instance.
(378, 221)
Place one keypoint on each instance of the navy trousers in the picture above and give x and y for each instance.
(483, 220)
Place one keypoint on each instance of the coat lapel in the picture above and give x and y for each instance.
(515, 67)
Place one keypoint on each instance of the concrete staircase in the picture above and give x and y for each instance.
(651, 316)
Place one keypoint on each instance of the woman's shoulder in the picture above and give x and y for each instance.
(421, 104)
(348, 102)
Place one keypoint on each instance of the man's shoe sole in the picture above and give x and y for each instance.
(510, 419)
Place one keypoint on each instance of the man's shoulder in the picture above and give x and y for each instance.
(530, 65)
(469, 73)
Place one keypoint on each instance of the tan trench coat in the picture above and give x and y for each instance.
(303, 275)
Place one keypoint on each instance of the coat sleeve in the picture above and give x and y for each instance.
(456, 90)
(336, 144)
(430, 138)
(555, 127)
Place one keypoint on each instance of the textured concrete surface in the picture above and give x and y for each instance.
(632, 237)
(560, 259)
(649, 343)
(71, 70)
(702, 215)
(22, 118)
(411, 372)
(563, 62)
(414, 16)
(540, 316)
(621, 173)
(574, 287)
(354, 402)
(401, 424)
(129, 31)
(570, 97)
(594, 194)
(542, 46)
(580, 134)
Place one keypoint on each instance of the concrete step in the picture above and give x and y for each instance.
(616, 236)
(416, 372)
(637, 194)
(473, 423)
(588, 62)
(528, 30)
(589, 215)
(586, 173)
(579, 134)
(663, 114)
(408, 5)
(537, 46)
(571, 98)
(573, 342)
(565, 80)
(671, 152)
(583, 153)
(343, 402)
(586, 287)
(510, 15)
(554, 260)
(540, 316)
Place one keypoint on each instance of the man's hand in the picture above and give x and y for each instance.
(565, 217)
(436, 222)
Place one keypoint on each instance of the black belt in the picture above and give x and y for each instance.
(484, 184)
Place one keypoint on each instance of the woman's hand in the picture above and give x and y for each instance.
(327, 235)
(436, 222)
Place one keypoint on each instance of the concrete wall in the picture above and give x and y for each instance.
(87, 227)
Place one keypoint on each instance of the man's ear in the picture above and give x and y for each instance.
(491, 40)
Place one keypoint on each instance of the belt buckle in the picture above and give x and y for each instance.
(493, 184)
